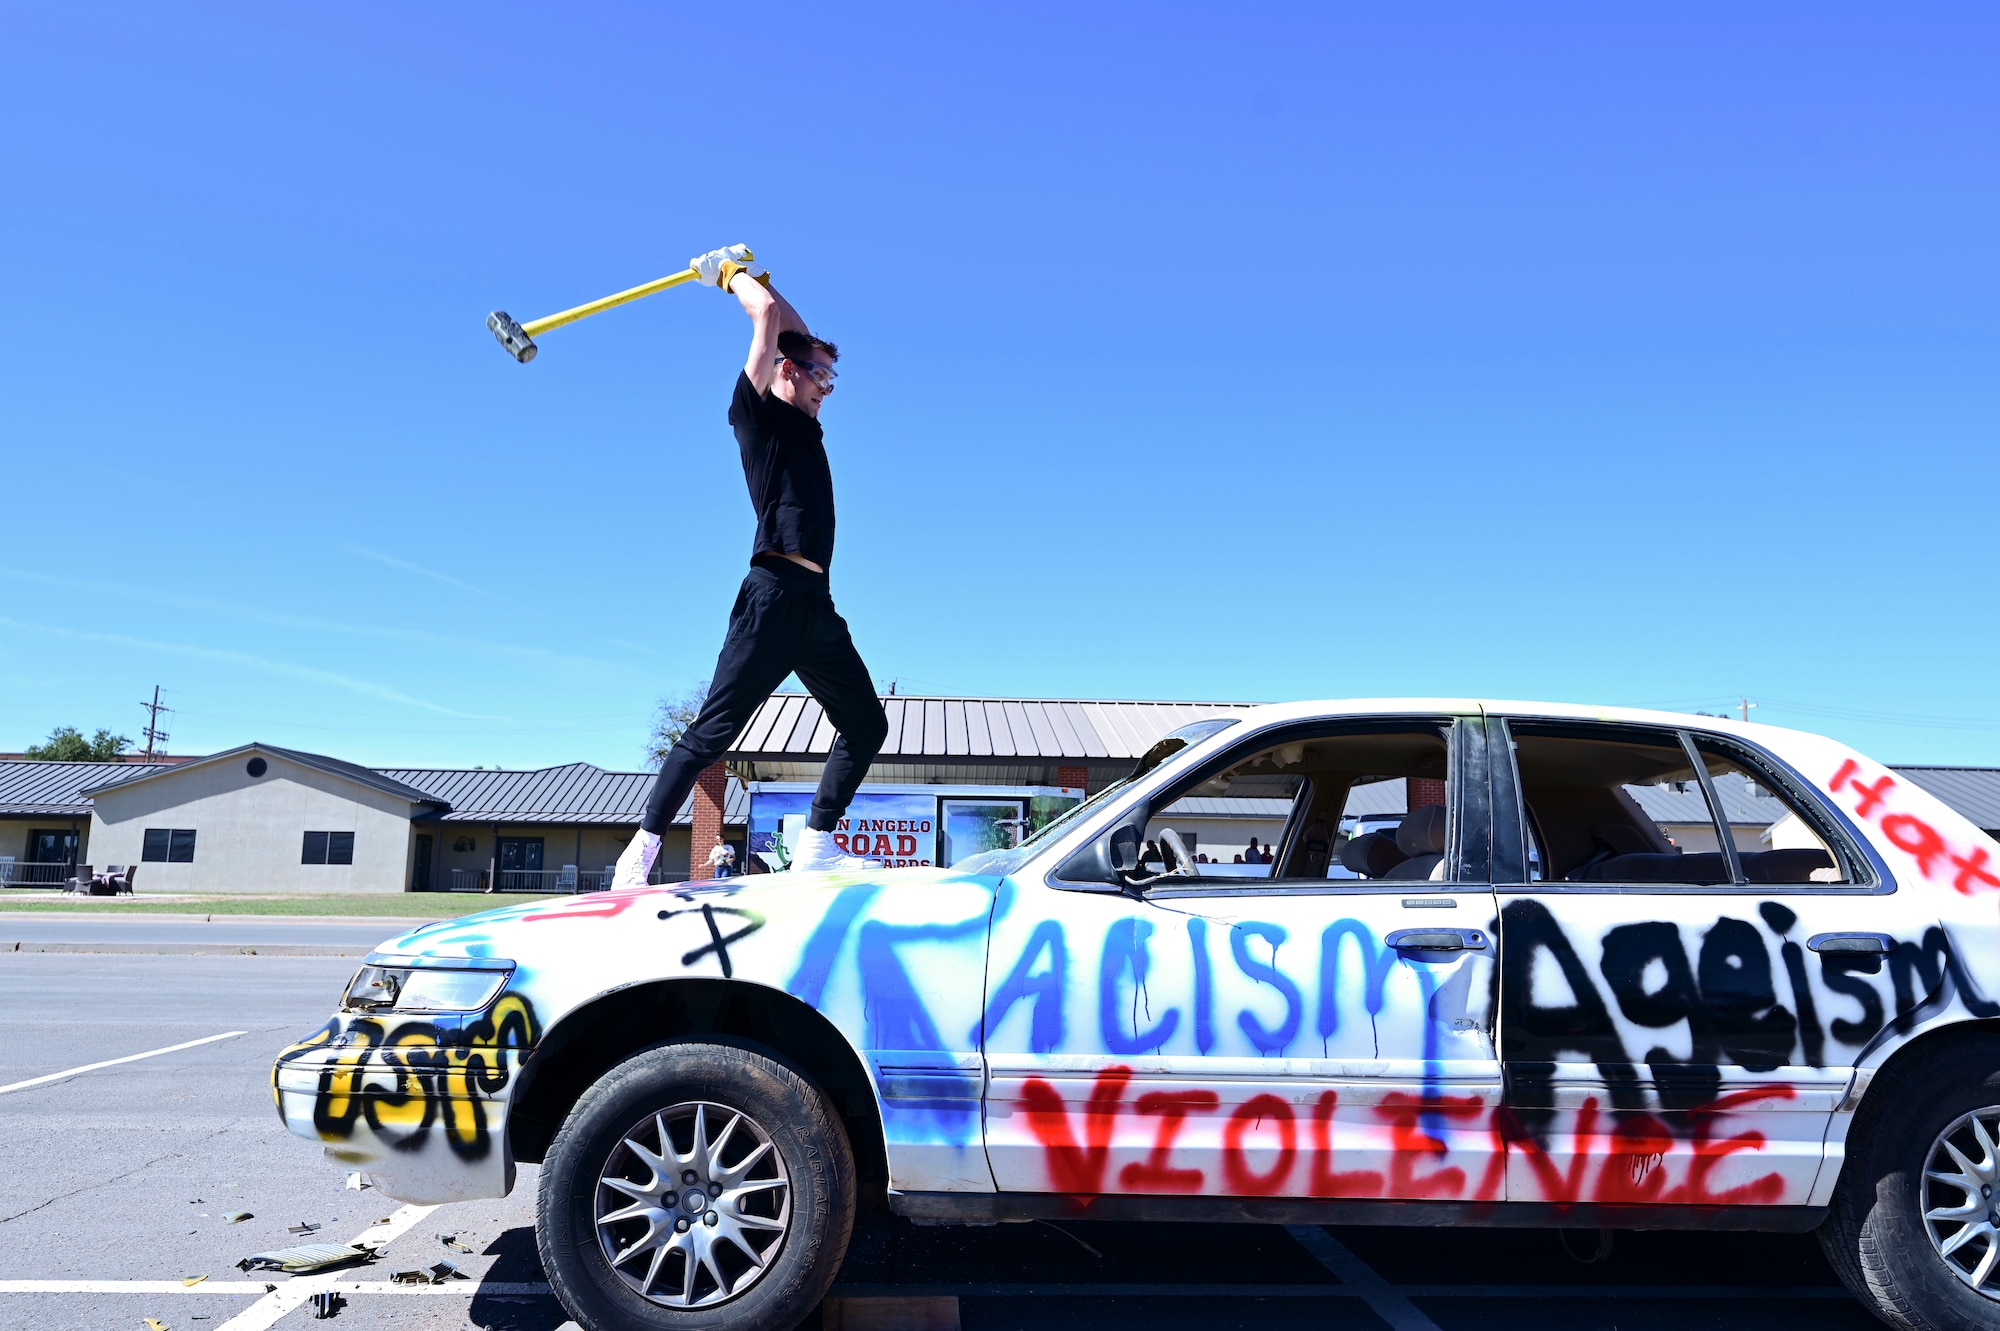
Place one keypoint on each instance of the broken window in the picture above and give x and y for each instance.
(1615, 804)
(1366, 802)
(1778, 839)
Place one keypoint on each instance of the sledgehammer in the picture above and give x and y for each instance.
(519, 339)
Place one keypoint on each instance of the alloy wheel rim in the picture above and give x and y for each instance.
(1960, 1198)
(692, 1205)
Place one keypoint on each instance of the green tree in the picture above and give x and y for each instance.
(66, 744)
(674, 715)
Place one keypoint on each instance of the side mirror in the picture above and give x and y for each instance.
(1107, 860)
(1123, 849)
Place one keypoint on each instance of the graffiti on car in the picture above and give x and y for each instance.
(411, 1080)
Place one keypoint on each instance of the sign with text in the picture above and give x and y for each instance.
(898, 830)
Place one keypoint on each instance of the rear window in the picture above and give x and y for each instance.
(1780, 839)
(1638, 804)
(1612, 804)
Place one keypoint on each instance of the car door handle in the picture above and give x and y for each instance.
(1866, 944)
(1437, 940)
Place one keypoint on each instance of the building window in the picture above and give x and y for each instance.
(166, 845)
(328, 848)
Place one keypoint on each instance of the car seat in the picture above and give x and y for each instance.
(1421, 839)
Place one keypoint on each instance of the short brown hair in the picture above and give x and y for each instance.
(794, 345)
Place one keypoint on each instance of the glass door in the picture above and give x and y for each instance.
(974, 826)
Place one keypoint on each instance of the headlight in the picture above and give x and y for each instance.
(418, 988)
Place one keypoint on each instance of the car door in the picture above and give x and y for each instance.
(1681, 995)
(1288, 1033)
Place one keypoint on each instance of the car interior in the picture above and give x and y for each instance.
(1618, 805)
(1317, 778)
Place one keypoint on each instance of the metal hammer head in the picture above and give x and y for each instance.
(511, 336)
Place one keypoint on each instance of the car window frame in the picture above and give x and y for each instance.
(1841, 836)
(1462, 736)
(1850, 849)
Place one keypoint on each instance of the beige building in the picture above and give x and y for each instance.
(260, 818)
(266, 819)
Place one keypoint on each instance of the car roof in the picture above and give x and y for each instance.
(1298, 711)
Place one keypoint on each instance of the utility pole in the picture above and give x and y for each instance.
(154, 734)
(1747, 705)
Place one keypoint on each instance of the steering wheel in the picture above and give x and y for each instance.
(1179, 860)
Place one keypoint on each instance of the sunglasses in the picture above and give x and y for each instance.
(823, 375)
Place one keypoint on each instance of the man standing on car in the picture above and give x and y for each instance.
(783, 621)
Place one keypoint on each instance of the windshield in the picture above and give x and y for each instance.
(1006, 861)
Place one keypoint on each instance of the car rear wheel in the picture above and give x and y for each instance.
(1914, 1229)
(696, 1185)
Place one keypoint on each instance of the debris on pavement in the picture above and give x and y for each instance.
(155, 1324)
(436, 1274)
(326, 1304)
(303, 1227)
(307, 1257)
(451, 1241)
(355, 1183)
(238, 1217)
(192, 1281)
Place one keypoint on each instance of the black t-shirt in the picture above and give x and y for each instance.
(784, 463)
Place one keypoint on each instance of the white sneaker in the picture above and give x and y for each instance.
(637, 861)
(818, 850)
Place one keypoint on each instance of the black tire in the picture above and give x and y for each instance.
(1875, 1235)
(808, 1144)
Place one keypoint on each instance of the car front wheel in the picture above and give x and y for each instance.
(696, 1185)
(1915, 1225)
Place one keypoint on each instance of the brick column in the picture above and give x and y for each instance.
(1073, 776)
(1422, 790)
(709, 789)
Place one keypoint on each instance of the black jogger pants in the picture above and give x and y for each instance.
(783, 621)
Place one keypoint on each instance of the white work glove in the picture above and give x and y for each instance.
(718, 268)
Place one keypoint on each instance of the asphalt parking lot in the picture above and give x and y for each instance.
(119, 1181)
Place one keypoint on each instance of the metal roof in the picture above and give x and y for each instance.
(340, 767)
(1740, 806)
(575, 793)
(56, 789)
(1974, 792)
(1228, 806)
(1018, 729)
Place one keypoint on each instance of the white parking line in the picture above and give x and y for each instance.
(267, 1311)
(1380, 1296)
(114, 1062)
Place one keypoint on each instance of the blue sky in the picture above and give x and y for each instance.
(1580, 352)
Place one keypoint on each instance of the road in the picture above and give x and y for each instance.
(126, 1174)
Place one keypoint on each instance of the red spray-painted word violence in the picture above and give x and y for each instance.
(1633, 1159)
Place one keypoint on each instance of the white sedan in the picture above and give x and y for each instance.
(1566, 987)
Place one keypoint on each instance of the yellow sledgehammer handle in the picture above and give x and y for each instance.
(537, 327)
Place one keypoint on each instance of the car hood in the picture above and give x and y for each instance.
(788, 931)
